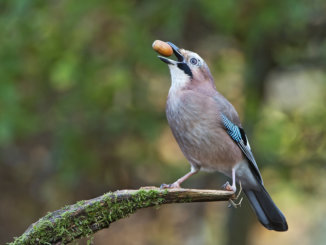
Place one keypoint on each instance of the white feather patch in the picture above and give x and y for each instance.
(178, 77)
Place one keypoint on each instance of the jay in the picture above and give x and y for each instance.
(209, 132)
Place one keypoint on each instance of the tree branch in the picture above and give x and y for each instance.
(87, 217)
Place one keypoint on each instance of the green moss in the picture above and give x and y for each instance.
(95, 216)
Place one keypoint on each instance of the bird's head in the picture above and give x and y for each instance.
(189, 69)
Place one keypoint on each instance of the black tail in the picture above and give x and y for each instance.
(267, 212)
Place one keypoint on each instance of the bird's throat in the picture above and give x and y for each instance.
(179, 79)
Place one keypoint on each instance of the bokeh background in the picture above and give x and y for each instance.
(82, 99)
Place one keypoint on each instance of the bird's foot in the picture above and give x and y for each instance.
(229, 187)
(174, 185)
(239, 193)
(234, 204)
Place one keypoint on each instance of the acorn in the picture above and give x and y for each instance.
(162, 48)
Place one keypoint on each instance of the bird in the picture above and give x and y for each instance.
(209, 133)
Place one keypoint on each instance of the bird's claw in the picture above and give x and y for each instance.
(170, 186)
(235, 205)
(232, 203)
(224, 186)
(229, 187)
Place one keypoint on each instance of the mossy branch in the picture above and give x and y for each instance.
(87, 217)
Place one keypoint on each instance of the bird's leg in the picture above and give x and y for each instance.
(177, 183)
(232, 187)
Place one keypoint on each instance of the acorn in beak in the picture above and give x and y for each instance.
(176, 52)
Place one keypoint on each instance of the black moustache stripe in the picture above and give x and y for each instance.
(185, 68)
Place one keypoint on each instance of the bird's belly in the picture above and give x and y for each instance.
(206, 145)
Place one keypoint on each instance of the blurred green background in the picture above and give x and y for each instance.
(82, 99)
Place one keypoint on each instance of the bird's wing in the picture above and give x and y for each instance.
(238, 135)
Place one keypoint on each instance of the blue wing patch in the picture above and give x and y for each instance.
(232, 129)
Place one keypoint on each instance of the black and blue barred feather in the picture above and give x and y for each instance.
(232, 129)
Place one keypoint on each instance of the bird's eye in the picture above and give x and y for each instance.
(193, 61)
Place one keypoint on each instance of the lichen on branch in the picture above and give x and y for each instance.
(87, 217)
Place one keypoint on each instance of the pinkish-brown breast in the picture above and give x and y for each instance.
(195, 122)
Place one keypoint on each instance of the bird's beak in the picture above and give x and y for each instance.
(176, 52)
